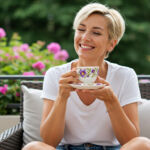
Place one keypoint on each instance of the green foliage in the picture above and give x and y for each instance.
(17, 61)
(16, 58)
(134, 48)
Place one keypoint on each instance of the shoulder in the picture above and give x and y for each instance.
(53, 74)
(121, 71)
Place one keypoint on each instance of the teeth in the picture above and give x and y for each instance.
(85, 46)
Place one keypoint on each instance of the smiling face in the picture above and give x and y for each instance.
(91, 40)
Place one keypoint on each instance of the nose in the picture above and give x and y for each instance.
(86, 36)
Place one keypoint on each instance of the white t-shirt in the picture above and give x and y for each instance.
(91, 124)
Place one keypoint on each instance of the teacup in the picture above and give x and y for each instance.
(88, 74)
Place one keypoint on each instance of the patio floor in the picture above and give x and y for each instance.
(7, 121)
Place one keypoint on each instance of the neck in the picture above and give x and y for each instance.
(88, 62)
(103, 70)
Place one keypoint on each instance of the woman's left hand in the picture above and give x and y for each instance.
(104, 93)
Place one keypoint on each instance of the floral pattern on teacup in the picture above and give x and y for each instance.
(84, 73)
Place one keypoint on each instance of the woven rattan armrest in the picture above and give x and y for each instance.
(11, 139)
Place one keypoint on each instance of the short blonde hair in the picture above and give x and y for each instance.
(116, 23)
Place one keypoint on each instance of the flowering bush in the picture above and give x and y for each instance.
(3, 89)
(18, 58)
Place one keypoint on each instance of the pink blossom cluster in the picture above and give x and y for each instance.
(17, 94)
(10, 57)
(39, 65)
(144, 81)
(30, 73)
(4, 89)
(59, 54)
(53, 47)
(29, 55)
(2, 33)
(24, 47)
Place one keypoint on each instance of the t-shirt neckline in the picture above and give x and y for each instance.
(96, 101)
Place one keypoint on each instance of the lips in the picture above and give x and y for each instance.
(86, 47)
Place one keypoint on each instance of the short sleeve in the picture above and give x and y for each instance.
(50, 85)
(130, 91)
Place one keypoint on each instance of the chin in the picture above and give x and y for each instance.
(86, 57)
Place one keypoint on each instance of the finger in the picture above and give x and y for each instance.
(69, 79)
(100, 91)
(66, 86)
(96, 91)
(70, 73)
(89, 90)
(101, 80)
(73, 69)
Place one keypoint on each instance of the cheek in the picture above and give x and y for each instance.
(76, 40)
(76, 37)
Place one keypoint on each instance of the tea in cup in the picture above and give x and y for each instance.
(88, 74)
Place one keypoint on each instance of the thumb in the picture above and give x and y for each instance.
(101, 80)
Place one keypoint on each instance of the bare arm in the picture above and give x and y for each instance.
(53, 121)
(124, 119)
(53, 118)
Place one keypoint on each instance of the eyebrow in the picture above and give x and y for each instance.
(98, 28)
(93, 27)
(82, 25)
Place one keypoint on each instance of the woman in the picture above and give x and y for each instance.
(103, 118)
(138, 143)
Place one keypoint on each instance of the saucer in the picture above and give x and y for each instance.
(87, 86)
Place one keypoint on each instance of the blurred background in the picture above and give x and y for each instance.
(51, 20)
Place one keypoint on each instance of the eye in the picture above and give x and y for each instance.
(81, 30)
(97, 33)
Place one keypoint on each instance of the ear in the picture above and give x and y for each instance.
(112, 45)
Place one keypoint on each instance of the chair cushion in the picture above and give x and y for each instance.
(32, 112)
(144, 111)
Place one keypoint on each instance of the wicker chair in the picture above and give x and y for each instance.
(11, 139)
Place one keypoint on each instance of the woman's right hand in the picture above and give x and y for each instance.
(65, 80)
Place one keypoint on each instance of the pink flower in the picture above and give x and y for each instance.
(43, 73)
(24, 47)
(29, 55)
(7, 55)
(4, 89)
(2, 33)
(31, 73)
(17, 94)
(144, 81)
(38, 65)
(62, 55)
(53, 47)
(16, 56)
(15, 48)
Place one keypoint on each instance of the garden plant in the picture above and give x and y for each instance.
(18, 58)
